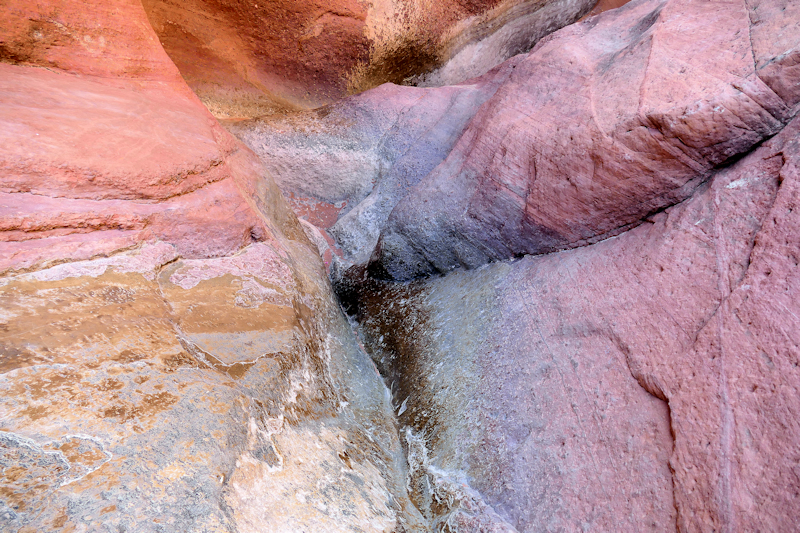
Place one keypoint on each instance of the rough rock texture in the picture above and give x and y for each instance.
(114, 43)
(555, 385)
(478, 45)
(172, 357)
(145, 392)
(345, 166)
(246, 58)
(604, 122)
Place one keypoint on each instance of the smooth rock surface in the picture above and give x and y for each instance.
(603, 123)
(246, 59)
(104, 147)
(172, 357)
(511, 28)
(114, 42)
(646, 382)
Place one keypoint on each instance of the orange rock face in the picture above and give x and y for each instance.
(166, 356)
(104, 146)
(113, 43)
(246, 58)
(293, 52)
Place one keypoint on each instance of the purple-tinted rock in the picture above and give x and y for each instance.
(646, 382)
(603, 123)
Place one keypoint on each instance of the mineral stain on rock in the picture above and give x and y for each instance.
(543, 280)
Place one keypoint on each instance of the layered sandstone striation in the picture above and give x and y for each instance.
(105, 147)
(574, 274)
(172, 357)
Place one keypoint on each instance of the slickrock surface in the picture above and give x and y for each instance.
(246, 58)
(605, 122)
(620, 353)
(344, 167)
(172, 357)
(89, 169)
(555, 385)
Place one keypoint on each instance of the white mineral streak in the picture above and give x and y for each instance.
(316, 490)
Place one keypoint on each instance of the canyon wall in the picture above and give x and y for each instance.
(172, 357)
(629, 360)
(553, 286)
(246, 58)
(646, 382)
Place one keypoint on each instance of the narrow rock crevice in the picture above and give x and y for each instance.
(561, 295)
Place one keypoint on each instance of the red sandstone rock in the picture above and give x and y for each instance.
(107, 147)
(195, 374)
(246, 58)
(530, 379)
(200, 385)
(114, 43)
(235, 54)
(80, 157)
(604, 122)
(605, 5)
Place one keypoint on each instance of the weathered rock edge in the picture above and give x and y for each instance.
(602, 124)
(602, 385)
